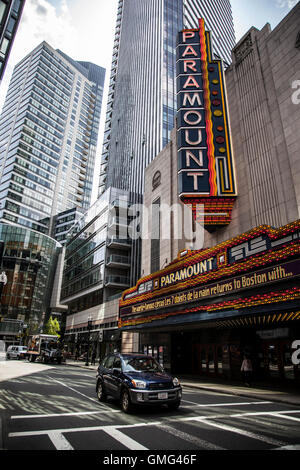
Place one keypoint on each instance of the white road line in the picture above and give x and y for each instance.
(58, 415)
(190, 438)
(59, 441)
(113, 431)
(123, 439)
(73, 389)
(279, 415)
(242, 432)
(84, 429)
(290, 447)
(205, 391)
(262, 413)
(227, 404)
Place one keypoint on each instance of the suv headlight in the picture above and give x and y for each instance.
(176, 382)
(139, 383)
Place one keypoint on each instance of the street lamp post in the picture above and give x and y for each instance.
(88, 350)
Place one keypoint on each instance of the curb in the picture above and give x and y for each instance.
(285, 400)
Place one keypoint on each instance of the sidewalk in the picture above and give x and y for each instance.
(261, 391)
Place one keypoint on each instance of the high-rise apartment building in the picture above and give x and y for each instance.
(10, 15)
(142, 95)
(48, 137)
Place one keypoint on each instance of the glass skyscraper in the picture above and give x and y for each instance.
(142, 100)
(142, 95)
(10, 15)
(48, 137)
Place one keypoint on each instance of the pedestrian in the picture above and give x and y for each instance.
(65, 355)
(93, 358)
(76, 355)
(246, 369)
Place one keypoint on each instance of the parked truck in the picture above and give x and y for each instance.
(44, 348)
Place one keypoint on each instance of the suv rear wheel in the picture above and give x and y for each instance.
(100, 391)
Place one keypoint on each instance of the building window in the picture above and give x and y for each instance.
(2, 10)
(156, 180)
(4, 47)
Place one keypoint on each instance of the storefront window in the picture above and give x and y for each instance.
(219, 359)
(211, 362)
(203, 360)
(288, 366)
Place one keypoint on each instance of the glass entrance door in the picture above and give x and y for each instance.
(278, 360)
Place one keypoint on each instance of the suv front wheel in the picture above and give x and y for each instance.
(174, 406)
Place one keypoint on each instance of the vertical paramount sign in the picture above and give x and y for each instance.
(205, 161)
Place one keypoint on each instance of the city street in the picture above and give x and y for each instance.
(46, 407)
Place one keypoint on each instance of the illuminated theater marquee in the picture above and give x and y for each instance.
(205, 161)
(257, 268)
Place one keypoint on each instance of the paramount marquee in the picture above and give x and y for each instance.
(205, 160)
(258, 269)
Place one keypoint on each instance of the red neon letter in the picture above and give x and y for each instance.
(187, 35)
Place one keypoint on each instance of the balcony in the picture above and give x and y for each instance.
(118, 261)
(117, 281)
(121, 203)
(117, 221)
(115, 242)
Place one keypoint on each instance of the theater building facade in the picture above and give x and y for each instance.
(203, 302)
(207, 308)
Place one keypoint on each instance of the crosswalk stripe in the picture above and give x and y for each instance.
(59, 441)
(190, 438)
(123, 438)
(242, 432)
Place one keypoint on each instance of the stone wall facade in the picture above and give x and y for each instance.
(264, 116)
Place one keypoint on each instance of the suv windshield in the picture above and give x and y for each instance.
(141, 364)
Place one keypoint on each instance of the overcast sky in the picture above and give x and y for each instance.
(84, 30)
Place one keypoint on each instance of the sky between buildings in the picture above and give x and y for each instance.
(84, 30)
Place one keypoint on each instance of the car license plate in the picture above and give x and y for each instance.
(163, 396)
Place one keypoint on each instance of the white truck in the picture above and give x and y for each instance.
(45, 348)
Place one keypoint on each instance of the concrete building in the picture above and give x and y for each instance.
(264, 122)
(63, 222)
(96, 271)
(237, 291)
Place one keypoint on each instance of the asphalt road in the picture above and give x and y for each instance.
(55, 407)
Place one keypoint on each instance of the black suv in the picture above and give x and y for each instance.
(136, 379)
